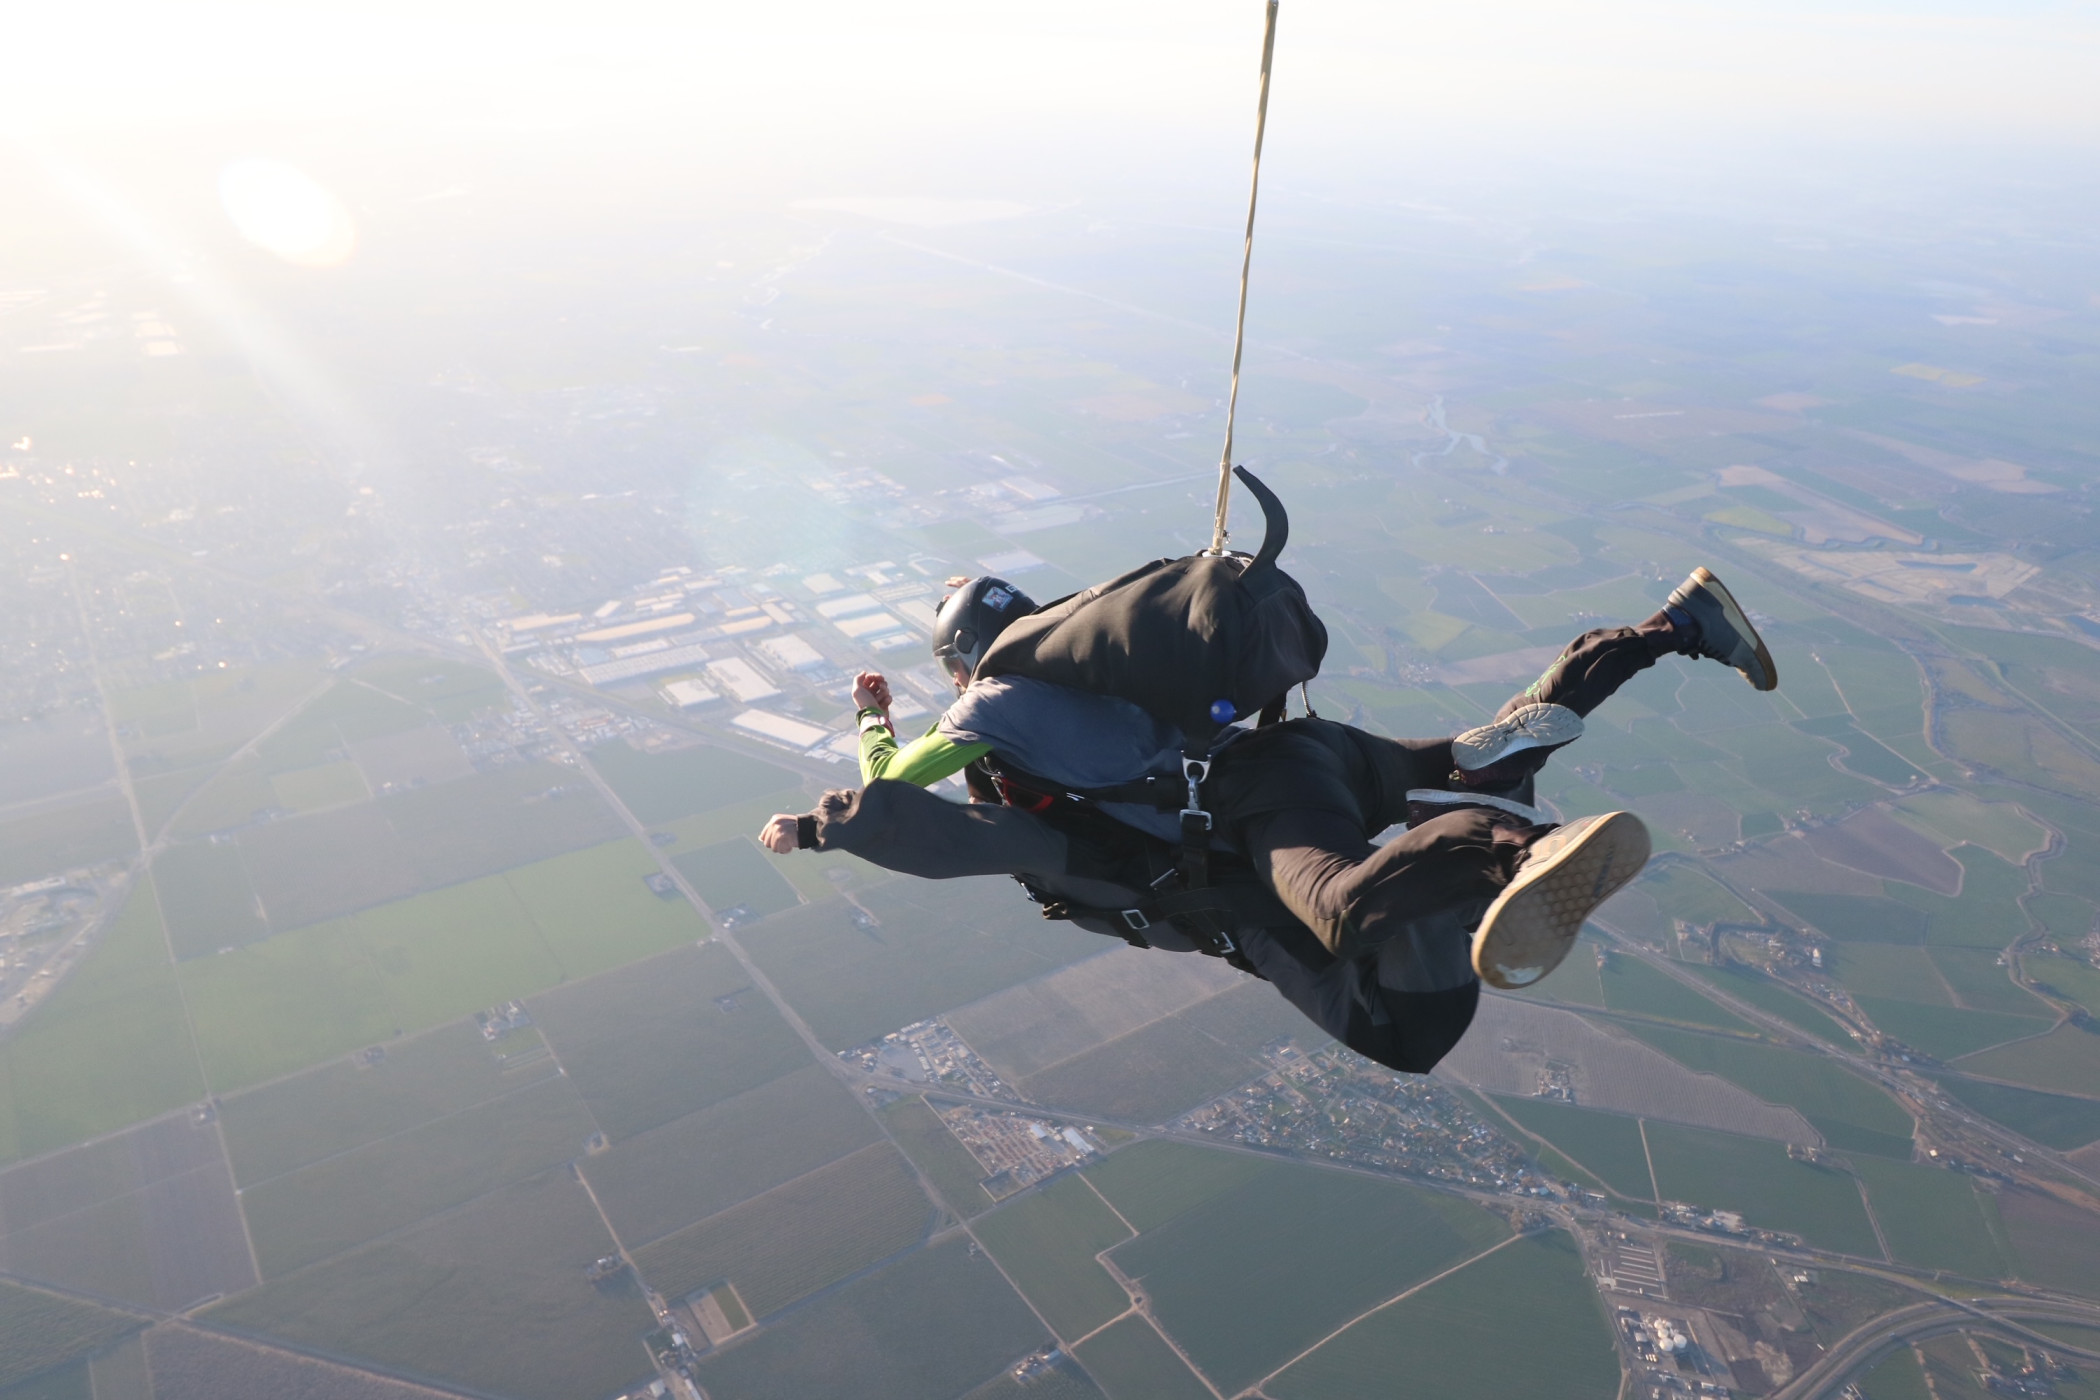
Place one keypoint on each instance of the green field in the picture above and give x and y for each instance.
(1985, 915)
(1897, 1378)
(937, 1322)
(1723, 1171)
(1046, 1241)
(948, 1165)
(345, 1200)
(667, 1178)
(2068, 978)
(2053, 1120)
(663, 787)
(1857, 918)
(454, 951)
(1936, 1219)
(1767, 995)
(450, 691)
(1889, 970)
(939, 944)
(1957, 817)
(1946, 1032)
(1847, 1110)
(491, 1296)
(1131, 1363)
(735, 872)
(1064, 1381)
(322, 786)
(594, 911)
(41, 1331)
(340, 1106)
(799, 1237)
(1326, 1246)
(207, 898)
(1452, 1338)
(1151, 1075)
(60, 838)
(1606, 1145)
(1682, 892)
(341, 715)
(1982, 984)
(666, 1037)
(108, 1048)
(1154, 1182)
(2057, 1244)
(1577, 980)
(1632, 985)
(232, 796)
(2067, 1060)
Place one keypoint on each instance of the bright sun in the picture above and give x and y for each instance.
(282, 208)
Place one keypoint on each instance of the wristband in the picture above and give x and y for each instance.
(875, 719)
(806, 831)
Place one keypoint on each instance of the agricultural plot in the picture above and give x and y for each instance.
(2066, 1060)
(938, 944)
(1155, 1182)
(1579, 980)
(663, 787)
(321, 866)
(1132, 1363)
(1722, 1171)
(2067, 978)
(412, 758)
(496, 820)
(1452, 1338)
(1986, 914)
(187, 1363)
(2054, 1120)
(1606, 1145)
(108, 1048)
(1046, 1242)
(1980, 981)
(318, 788)
(660, 1181)
(1857, 918)
(595, 912)
(1063, 1381)
(1956, 817)
(453, 951)
(948, 1166)
(501, 1303)
(40, 1332)
(2056, 1244)
(340, 1106)
(1148, 1076)
(1029, 1028)
(343, 1201)
(1767, 995)
(733, 873)
(198, 804)
(1883, 970)
(207, 899)
(65, 837)
(1936, 1219)
(1327, 1246)
(1945, 1032)
(937, 1322)
(666, 1037)
(1900, 1377)
(146, 1216)
(1632, 985)
(1847, 1110)
(782, 1246)
(340, 716)
(450, 690)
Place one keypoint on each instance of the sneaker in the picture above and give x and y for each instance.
(1426, 803)
(1722, 630)
(1513, 747)
(1568, 872)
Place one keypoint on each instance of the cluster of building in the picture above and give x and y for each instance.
(1339, 1106)
(1016, 1151)
(1664, 1354)
(44, 928)
(1725, 1222)
(928, 1052)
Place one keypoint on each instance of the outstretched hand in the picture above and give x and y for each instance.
(778, 835)
(870, 689)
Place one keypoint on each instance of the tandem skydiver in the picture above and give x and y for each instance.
(1382, 946)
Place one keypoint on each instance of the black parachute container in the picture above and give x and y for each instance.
(1179, 636)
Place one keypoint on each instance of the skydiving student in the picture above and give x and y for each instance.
(1383, 946)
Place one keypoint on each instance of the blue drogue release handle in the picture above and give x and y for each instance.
(1223, 711)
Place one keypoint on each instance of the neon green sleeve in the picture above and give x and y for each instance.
(925, 760)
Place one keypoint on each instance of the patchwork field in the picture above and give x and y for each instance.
(937, 1322)
(40, 1332)
(1936, 1219)
(1769, 996)
(954, 1174)
(1452, 1338)
(1820, 1204)
(782, 1246)
(62, 836)
(660, 788)
(736, 873)
(1046, 1242)
(1606, 1145)
(1632, 985)
(2054, 1120)
(1132, 1363)
(1847, 1110)
(2066, 1060)
(1027, 1029)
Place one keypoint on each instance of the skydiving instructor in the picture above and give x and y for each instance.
(1383, 946)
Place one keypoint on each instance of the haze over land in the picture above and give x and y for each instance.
(451, 463)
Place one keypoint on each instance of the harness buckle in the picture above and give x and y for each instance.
(1196, 813)
(1134, 920)
(1195, 770)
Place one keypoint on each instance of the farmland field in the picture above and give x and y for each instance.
(939, 944)
(1847, 1110)
(343, 1201)
(1452, 1339)
(1065, 1381)
(1326, 1245)
(1897, 1378)
(1981, 983)
(1727, 1172)
(207, 899)
(1935, 1219)
(1148, 1076)
(663, 787)
(41, 1331)
(107, 1049)
(1767, 995)
(594, 911)
(666, 1037)
(799, 1237)
(937, 1322)
(2054, 1120)
(1607, 1145)
(508, 1265)
(453, 951)
(1632, 985)
(285, 1003)
(948, 1165)
(667, 1178)
(1046, 1241)
(1946, 1032)
(2066, 1060)
(1155, 1182)
(735, 872)
(58, 838)
(1132, 1363)
(2057, 1245)
(1885, 970)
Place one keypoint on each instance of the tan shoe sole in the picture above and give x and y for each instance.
(1740, 621)
(1533, 923)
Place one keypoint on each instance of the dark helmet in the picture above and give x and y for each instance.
(971, 619)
